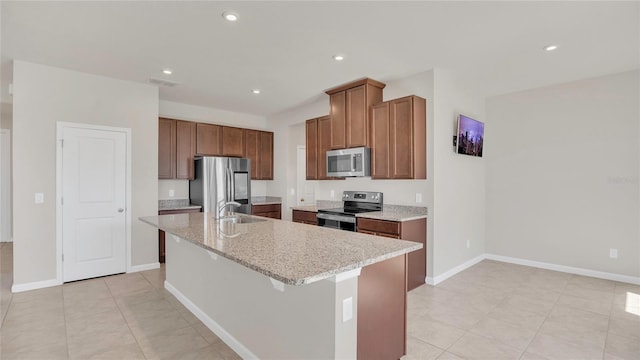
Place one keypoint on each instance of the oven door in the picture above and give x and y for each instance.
(341, 222)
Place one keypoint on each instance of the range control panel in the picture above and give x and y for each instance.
(362, 196)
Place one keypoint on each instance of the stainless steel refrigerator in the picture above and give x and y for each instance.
(220, 180)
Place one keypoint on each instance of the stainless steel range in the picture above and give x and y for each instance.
(353, 202)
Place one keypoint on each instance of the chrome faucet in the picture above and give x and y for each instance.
(225, 205)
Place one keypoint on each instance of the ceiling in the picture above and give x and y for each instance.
(286, 48)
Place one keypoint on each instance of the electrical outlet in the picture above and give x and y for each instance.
(332, 194)
(347, 309)
(39, 198)
(613, 253)
(292, 191)
(172, 193)
(418, 197)
(468, 244)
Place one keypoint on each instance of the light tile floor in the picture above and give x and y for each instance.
(491, 311)
(495, 310)
(127, 316)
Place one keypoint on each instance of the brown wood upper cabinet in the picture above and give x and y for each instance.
(318, 138)
(166, 148)
(259, 149)
(265, 156)
(185, 149)
(176, 149)
(349, 112)
(232, 141)
(398, 139)
(209, 139)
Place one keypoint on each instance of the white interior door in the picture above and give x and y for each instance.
(305, 189)
(5, 186)
(93, 202)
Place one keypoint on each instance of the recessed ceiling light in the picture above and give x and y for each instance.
(256, 91)
(167, 71)
(338, 57)
(230, 16)
(550, 47)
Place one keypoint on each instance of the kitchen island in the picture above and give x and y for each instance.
(278, 289)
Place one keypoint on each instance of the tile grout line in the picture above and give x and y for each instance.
(555, 303)
(125, 320)
(64, 317)
(606, 336)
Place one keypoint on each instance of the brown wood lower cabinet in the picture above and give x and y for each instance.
(161, 234)
(267, 210)
(305, 217)
(382, 310)
(413, 230)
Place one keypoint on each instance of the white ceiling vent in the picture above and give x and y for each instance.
(161, 82)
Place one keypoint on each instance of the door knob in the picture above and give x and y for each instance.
(302, 199)
(120, 210)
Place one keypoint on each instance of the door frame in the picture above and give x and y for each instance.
(10, 185)
(60, 125)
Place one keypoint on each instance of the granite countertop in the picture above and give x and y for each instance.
(266, 200)
(292, 253)
(389, 212)
(320, 204)
(176, 204)
(397, 213)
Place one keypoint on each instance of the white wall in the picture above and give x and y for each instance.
(43, 96)
(562, 174)
(174, 110)
(287, 136)
(457, 214)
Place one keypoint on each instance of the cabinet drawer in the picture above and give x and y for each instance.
(304, 216)
(264, 208)
(389, 228)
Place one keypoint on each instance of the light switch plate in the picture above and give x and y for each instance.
(418, 197)
(347, 309)
(39, 198)
(172, 193)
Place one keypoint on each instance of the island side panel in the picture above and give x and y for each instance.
(382, 310)
(242, 307)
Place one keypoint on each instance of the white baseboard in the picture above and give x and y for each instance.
(34, 285)
(7, 240)
(228, 339)
(144, 267)
(566, 269)
(442, 277)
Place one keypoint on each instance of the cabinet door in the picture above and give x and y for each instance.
(401, 139)
(232, 141)
(311, 147)
(252, 141)
(166, 148)
(185, 149)
(208, 140)
(338, 113)
(324, 145)
(380, 141)
(356, 120)
(265, 156)
(306, 217)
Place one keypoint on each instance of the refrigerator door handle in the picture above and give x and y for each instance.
(232, 187)
(228, 184)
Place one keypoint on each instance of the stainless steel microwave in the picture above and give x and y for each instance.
(349, 162)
